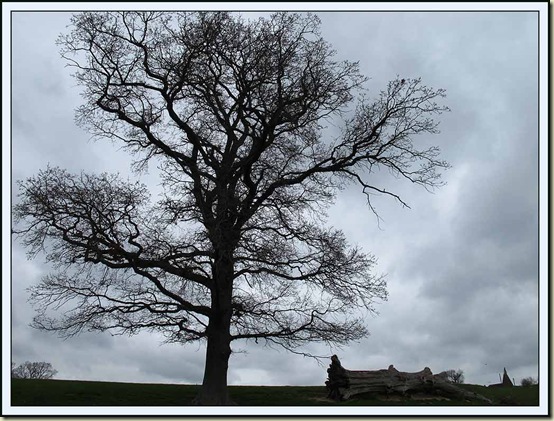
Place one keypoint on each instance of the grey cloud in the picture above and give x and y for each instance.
(259, 364)
(176, 363)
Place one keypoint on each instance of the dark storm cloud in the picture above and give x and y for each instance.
(477, 246)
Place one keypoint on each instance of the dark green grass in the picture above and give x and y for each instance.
(81, 393)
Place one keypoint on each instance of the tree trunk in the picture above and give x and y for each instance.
(343, 384)
(214, 389)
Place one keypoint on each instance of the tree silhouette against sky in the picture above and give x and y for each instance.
(233, 113)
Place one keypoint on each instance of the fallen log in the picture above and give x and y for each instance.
(343, 384)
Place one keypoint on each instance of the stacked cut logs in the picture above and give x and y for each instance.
(342, 383)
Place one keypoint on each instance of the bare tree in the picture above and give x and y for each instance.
(454, 376)
(33, 370)
(232, 110)
(529, 381)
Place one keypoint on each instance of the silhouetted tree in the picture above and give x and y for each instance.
(529, 381)
(455, 376)
(33, 370)
(233, 111)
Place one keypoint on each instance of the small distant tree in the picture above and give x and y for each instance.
(529, 381)
(455, 376)
(33, 370)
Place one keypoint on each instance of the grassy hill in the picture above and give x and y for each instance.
(84, 393)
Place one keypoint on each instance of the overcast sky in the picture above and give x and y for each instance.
(462, 264)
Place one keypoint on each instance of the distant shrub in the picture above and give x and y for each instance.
(529, 381)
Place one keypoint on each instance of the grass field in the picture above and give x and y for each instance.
(84, 393)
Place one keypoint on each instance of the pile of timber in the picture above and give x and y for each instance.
(342, 383)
